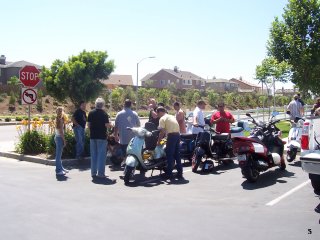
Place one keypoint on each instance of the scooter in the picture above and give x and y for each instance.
(294, 138)
(143, 153)
(260, 151)
(212, 145)
(187, 145)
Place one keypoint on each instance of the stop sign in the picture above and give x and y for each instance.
(29, 76)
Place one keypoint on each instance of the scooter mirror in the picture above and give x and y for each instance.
(248, 114)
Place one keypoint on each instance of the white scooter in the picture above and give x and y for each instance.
(143, 152)
(294, 138)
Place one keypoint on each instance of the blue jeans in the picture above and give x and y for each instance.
(173, 153)
(59, 148)
(98, 152)
(79, 135)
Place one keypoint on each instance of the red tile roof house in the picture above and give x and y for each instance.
(116, 80)
(180, 79)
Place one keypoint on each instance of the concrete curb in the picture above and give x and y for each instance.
(45, 161)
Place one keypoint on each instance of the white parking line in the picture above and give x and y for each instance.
(151, 180)
(275, 201)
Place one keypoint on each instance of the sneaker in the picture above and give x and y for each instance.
(61, 173)
(180, 177)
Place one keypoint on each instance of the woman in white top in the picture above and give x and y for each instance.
(59, 141)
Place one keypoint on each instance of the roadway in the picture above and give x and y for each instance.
(219, 205)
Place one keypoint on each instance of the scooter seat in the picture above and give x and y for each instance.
(221, 137)
(188, 136)
(236, 129)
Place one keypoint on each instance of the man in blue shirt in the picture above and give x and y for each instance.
(125, 118)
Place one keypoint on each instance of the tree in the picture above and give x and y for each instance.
(213, 98)
(164, 96)
(295, 40)
(271, 71)
(79, 77)
(14, 81)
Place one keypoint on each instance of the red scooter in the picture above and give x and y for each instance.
(260, 151)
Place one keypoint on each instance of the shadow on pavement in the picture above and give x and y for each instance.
(295, 164)
(268, 179)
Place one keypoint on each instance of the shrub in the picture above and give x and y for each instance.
(12, 108)
(1, 99)
(18, 118)
(69, 150)
(46, 118)
(7, 119)
(32, 142)
(47, 100)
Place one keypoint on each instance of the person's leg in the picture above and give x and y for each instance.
(170, 148)
(102, 156)
(177, 156)
(59, 147)
(82, 141)
(78, 140)
(93, 153)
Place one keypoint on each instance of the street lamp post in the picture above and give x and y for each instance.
(137, 105)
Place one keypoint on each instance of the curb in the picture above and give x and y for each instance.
(39, 160)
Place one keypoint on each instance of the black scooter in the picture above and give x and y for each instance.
(212, 145)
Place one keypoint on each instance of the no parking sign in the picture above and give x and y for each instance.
(29, 96)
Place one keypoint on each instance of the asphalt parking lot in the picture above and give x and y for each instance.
(220, 205)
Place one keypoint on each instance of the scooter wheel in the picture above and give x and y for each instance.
(195, 163)
(128, 173)
(291, 155)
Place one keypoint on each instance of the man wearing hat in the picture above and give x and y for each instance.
(198, 117)
(295, 108)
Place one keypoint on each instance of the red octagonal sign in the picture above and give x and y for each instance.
(29, 76)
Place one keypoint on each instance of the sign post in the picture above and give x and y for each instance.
(29, 77)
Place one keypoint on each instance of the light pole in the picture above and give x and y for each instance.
(137, 105)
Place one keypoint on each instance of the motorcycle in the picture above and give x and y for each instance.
(187, 145)
(260, 151)
(212, 145)
(143, 153)
(294, 138)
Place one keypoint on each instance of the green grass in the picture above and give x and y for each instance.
(284, 126)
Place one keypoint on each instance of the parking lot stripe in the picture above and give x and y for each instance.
(275, 201)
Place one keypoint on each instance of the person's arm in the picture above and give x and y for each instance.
(162, 134)
(74, 121)
(61, 132)
(154, 114)
(116, 134)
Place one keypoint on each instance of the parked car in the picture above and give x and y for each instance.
(310, 150)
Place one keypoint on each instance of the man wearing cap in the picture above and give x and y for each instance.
(198, 117)
(169, 126)
(222, 119)
(295, 108)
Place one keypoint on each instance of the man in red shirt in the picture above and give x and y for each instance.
(222, 119)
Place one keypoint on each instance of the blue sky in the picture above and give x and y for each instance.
(210, 38)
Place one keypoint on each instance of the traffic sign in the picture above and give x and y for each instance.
(29, 76)
(29, 96)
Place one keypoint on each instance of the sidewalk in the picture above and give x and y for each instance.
(7, 150)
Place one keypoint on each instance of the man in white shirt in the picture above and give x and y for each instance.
(198, 117)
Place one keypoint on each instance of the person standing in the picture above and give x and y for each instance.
(98, 122)
(79, 119)
(153, 117)
(180, 116)
(169, 126)
(222, 119)
(295, 108)
(60, 141)
(198, 117)
(302, 103)
(125, 118)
